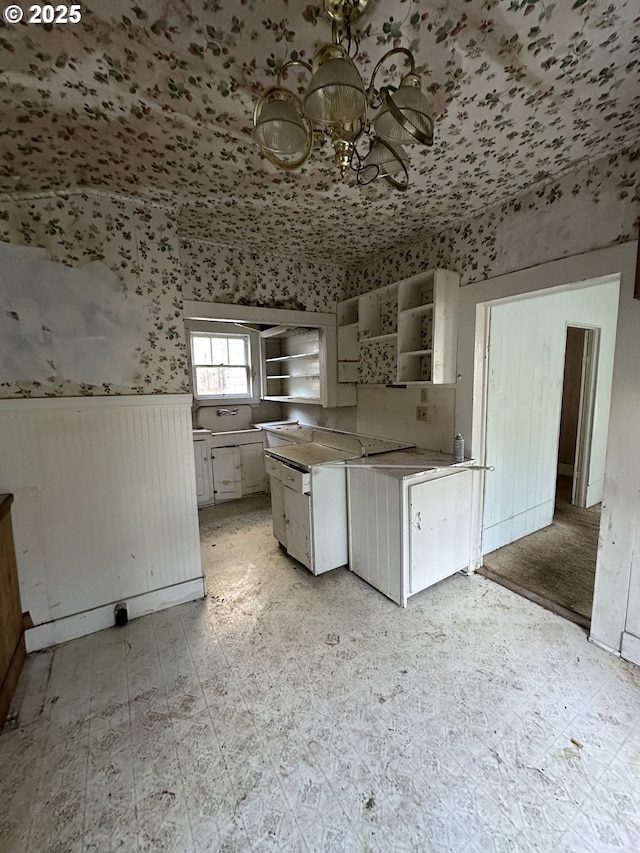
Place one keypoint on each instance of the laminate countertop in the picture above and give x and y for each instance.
(415, 462)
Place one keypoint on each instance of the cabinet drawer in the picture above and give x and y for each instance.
(272, 467)
(295, 480)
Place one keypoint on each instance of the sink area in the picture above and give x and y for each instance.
(234, 437)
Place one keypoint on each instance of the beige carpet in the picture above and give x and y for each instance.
(557, 563)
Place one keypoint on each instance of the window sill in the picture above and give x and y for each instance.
(224, 402)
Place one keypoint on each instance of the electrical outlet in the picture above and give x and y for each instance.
(422, 413)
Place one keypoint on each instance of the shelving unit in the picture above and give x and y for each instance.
(403, 333)
(291, 359)
(348, 350)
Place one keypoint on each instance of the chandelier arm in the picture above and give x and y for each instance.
(396, 184)
(290, 64)
(418, 135)
(392, 52)
(402, 186)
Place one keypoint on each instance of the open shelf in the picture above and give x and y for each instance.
(290, 357)
(295, 376)
(290, 399)
(411, 327)
(392, 336)
(420, 309)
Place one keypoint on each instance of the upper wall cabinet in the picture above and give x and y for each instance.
(299, 366)
(404, 333)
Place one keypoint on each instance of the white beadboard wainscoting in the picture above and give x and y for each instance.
(105, 508)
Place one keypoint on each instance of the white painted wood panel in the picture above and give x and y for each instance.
(329, 517)
(525, 375)
(105, 503)
(374, 530)
(252, 468)
(298, 520)
(227, 479)
(279, 518)
(440, 529)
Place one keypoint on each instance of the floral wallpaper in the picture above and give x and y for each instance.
(588, 208)
(217, 273)
(139, 244)
(378, 363)
(155, 100)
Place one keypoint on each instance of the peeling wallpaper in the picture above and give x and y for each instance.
(140, 246)
(588, 208)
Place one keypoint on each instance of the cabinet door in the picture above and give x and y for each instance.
(203, 479)
(298, 515)
(227, 481)
(278, 511)
(253, 473)
(440, 529)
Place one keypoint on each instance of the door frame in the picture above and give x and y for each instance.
(586, 412)
(616, 560)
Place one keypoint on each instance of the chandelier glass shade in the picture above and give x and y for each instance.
(336, 101)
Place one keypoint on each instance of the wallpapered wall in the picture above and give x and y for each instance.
(141, 247)
(216, 273)
(585, 209)
(588, 208)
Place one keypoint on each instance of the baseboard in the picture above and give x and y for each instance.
(604, 646)
(630, 648)
(79, 624)
(565, 470)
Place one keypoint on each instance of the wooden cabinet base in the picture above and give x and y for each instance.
(11, 677)
(12, 648)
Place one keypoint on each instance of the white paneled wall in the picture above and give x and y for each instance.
(105, 508)
(526, 365)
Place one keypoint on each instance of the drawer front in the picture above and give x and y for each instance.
(295, 480)
(273, 467)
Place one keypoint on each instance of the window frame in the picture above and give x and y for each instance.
(226, 330)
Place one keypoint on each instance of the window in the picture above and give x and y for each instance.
(221, 365)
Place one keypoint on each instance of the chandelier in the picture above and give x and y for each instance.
(285, 126)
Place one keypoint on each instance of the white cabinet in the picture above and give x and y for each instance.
(204, 478)
(252, 468)
(298, 365)
(404, 333)
(310, 513)
(227, 475)
(406, 534)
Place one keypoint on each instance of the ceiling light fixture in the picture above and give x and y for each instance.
(336, 102)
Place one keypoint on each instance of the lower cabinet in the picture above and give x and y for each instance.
(204, 472)
(310, 514)
(226, 473)
(406, 534)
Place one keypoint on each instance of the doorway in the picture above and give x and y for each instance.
(547, 402)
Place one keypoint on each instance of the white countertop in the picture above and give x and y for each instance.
(308, 453)
(410, 463)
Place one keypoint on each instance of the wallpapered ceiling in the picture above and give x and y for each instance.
(155, 100)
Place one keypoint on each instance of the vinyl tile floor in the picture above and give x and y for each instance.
(292, 713)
